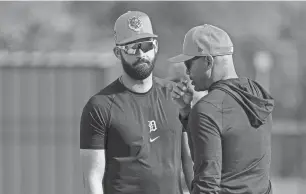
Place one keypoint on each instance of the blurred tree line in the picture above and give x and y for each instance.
(275, 27)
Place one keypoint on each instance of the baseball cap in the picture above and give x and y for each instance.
(131, 26)
(204, 40)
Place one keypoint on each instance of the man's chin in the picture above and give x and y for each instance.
(139, 75)
(197, 89)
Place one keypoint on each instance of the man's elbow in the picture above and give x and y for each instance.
(207, 185)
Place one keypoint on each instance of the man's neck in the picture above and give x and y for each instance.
(230, 73)
(138, 86)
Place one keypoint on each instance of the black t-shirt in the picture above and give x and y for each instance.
(141, 135)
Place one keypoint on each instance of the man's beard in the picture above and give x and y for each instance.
(137, 70)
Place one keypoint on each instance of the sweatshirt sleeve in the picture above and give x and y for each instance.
(207, 149)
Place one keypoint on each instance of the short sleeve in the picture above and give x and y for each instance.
(93, 126)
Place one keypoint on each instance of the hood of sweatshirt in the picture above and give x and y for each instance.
(255, 100)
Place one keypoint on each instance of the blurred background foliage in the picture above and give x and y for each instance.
(274, 27)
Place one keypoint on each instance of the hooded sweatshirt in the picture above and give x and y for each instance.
(230, 139)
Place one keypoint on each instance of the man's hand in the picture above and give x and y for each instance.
(182, 94)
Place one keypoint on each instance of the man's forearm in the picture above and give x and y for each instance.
(93, 185)
(188, 173)
(187, 163)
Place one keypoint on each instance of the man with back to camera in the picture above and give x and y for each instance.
(230, 127)
(130, 132)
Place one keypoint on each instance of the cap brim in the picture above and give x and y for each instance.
(180, 58)
(137, 37)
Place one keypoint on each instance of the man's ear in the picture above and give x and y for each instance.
(117, 52)
(210, 63)
(156, 49)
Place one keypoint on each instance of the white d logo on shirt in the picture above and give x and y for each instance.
(152, 126)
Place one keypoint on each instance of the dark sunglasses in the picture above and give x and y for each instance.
(188, 63)
(133, 48)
